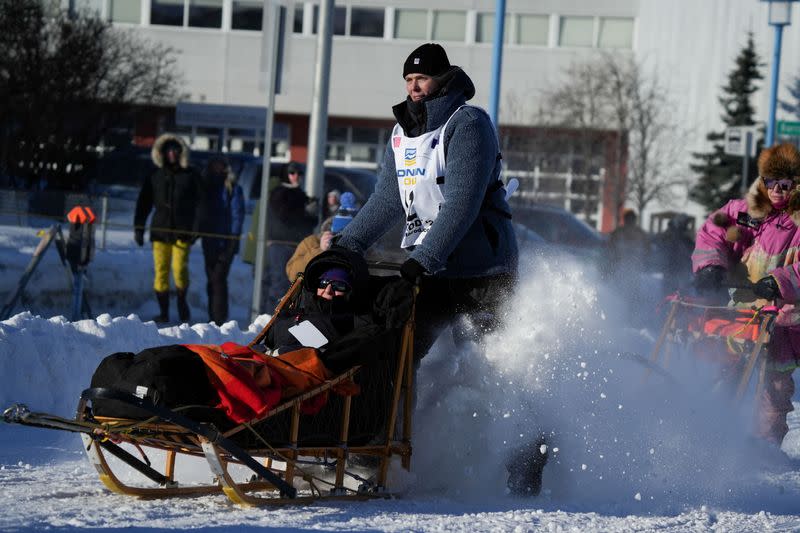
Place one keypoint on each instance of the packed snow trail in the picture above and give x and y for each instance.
(623, 455)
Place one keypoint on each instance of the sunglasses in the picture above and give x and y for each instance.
(337, 285)
(782, 184)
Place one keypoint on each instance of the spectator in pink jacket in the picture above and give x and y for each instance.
(757, 239)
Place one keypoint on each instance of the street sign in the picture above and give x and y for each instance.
(788, 129)
(736, 141)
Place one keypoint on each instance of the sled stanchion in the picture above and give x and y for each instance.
(343, 451)
(293, 437)
(169, 467)
(762, 375)
(409, 389)
(664, 331)
(290, 294)
(406, 349)
(763, 337)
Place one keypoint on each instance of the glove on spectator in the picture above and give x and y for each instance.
(767, 288)
(709, 278)
(138, 236)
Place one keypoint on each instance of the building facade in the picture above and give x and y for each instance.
(690, 46)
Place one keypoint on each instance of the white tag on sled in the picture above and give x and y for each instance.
(308, 335)
(141, 391)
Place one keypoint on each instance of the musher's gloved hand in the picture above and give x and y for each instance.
(709, 278)
(138, 236)
(411, 270)
(767, 288)
(394, 302)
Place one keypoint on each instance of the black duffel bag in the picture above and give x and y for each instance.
(168, 376)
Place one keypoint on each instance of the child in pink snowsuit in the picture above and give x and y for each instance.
(757, 239)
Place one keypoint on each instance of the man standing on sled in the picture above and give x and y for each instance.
(441, 175)
(756, 239)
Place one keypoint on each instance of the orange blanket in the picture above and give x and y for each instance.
(250, 383)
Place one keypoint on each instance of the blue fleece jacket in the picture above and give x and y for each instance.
(470, 237)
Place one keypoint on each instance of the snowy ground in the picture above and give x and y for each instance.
(625, 455)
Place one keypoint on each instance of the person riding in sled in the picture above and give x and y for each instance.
(755, 239)
(335, 313)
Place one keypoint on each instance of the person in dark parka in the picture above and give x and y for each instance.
(221, 224)
(174, 192)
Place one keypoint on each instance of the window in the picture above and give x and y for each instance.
(533, 29)
(576, 31)
(339, 19)
(616, 33)
(128, 11)
(366, 22)
(337, 143)
(366, 145)
(94, 6)
(411, 24)
(166, 12)
(205, 13)
(484, 29)
(297, 26)
(247, 15)
(449, 25)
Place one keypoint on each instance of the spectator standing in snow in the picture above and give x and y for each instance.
(222, 220)
(755, 239)
(673, 252)
(626, 252)
(316, 243)
(288, 223)
(333, 201)
(174, 191)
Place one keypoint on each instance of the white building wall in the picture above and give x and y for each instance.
(689, 44)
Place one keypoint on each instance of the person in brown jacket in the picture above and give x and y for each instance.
(308, 249)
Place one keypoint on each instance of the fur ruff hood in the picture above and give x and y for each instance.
(759, 207)
(158, 158)
(778, 162)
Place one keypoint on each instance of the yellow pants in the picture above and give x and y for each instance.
(176, 255)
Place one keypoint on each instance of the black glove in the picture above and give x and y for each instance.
(767, 287)
(411, 270)
(709, 278)
(394, 302)
(138, 236)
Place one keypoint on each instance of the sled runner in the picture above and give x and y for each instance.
(735, 338)
(361, 420)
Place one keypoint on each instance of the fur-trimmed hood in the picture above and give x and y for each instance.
(158, 157)
(759, 207)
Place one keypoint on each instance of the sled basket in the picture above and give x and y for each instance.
(738, 337)
(341, 452)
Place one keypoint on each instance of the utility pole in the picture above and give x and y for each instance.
(318, 128)
(497, 61)
(271, 24)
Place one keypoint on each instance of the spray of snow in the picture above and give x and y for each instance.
(560, 367)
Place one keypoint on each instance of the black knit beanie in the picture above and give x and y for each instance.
(429, 59)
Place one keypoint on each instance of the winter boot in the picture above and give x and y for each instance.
(183, 307)
(525, 468)
(163, 306)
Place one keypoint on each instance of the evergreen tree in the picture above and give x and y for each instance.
(792, 107)
(720, 174)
